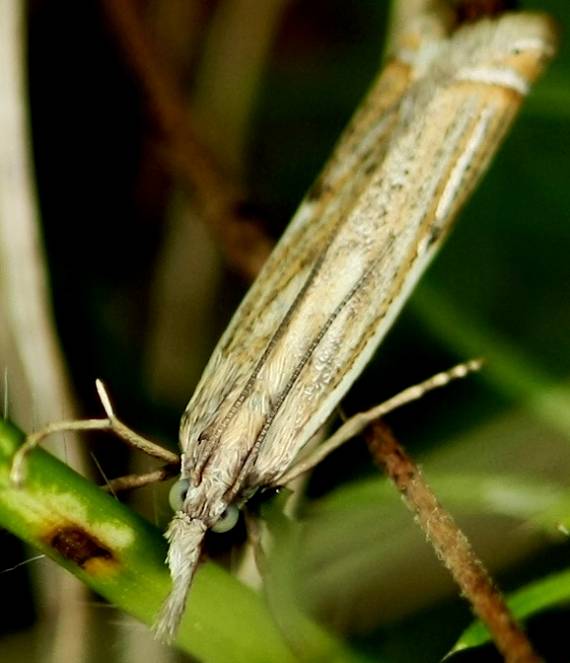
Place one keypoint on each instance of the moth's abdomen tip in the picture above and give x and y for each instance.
(553, 30)
(540, 31)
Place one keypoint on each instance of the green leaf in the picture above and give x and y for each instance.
(549, 592)
(507, 369)
(281, 584)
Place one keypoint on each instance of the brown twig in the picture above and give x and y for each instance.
(451, 545)
(221, 199)
(236, 51)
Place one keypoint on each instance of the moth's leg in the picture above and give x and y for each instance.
(254, 528)
(111, 423)
(132, 481)
(356, 424)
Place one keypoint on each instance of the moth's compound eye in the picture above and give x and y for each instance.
(178, 493)
(227, 521)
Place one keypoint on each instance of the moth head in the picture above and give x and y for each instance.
(178, 498)
(185, 534)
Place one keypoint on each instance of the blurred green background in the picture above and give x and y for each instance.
(141, 294)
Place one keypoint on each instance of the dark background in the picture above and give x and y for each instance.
(499, 290)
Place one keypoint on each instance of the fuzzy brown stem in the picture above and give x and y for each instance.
(451, 545)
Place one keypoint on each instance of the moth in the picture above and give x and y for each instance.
(340, 274)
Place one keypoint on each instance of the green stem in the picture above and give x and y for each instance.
(121, 557)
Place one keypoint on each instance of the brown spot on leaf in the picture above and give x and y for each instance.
(77, 545)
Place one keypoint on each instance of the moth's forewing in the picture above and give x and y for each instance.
(344, 267)
(239, 356)
(358, 243)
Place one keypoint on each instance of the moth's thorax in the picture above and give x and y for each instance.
(219, 458)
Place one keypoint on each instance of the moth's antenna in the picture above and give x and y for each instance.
(185, 536)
